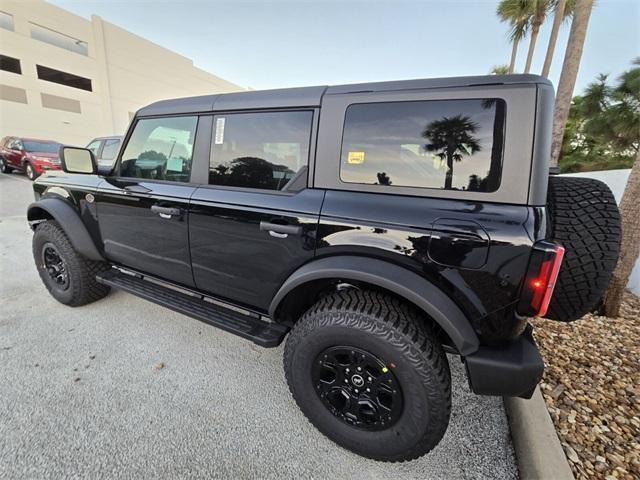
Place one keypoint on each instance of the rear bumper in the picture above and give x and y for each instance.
(511, 370)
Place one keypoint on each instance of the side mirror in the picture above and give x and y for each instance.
(77, 160)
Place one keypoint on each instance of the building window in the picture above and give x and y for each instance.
(63, 78)
(13, 94)
(445, 144)
(59, 39)
(6, 21)
(60, 103)
(10, 64)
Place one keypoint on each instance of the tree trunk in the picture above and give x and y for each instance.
(535, 28)
(448, 179)
(553, 38)
(514, 54)
(570, 67)
(630, 245)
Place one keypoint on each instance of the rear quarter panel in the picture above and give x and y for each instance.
(403, 229)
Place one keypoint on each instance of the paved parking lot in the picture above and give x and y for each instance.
(80, 394)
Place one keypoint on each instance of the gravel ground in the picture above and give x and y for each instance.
(592, 389)
(124, 388)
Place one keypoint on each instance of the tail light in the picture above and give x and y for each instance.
(540, 279)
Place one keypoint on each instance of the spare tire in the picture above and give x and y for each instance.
(584, 219)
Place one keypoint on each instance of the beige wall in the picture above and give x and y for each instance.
(127, 72)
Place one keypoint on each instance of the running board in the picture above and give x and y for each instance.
(252, 328)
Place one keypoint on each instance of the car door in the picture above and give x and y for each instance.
(256, 220)
(14, 153)
(143, 208)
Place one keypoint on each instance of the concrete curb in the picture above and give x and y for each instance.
(538, 450)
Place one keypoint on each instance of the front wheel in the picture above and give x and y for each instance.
(30, 172)
(68, 276)
(368, 373)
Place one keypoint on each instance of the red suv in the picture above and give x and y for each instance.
(29, 155)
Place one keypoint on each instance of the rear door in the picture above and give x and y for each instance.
(143, 208)
(14, 153)
(255, 221)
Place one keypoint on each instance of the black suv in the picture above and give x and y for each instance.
(379, 225)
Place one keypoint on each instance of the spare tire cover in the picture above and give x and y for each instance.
(584, 219)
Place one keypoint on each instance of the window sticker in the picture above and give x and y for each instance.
(219, 140)
(355, 158)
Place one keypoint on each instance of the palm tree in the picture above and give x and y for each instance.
(630, 244)
(516, 14)
(451, 139)
(537, 13)
(492, 180)
(570, 67)
(563, 9)
(500, 70)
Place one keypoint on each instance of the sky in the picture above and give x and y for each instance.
(283, 43)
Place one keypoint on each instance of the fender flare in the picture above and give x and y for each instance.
(70, 221)
(398, 280)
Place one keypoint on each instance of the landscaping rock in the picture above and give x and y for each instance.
(591, 386)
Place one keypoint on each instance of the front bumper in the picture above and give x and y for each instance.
(41, 167)
(511, 370)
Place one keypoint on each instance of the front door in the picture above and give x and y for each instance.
(256, 221)
(143, 210)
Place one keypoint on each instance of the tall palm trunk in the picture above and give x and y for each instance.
(553, 38)
(570, 67)
(448, 179)
(630, 246)
(514, 54)
(535, 29)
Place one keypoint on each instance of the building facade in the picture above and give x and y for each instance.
(66, 78)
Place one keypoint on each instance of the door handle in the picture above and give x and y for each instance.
(136, 189)
(166, 212)
(280, 231)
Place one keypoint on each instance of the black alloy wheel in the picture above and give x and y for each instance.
(55, 266)
(357, 387)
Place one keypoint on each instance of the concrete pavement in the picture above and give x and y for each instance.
(82, 394)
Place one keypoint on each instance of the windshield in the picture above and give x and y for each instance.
(44, 147)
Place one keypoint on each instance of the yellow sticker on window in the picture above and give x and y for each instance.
(355, 158)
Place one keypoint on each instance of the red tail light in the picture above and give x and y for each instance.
(540, 279)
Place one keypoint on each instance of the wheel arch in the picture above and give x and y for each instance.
(403, 283)
(69, 220)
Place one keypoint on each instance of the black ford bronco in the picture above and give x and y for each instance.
(378, 226)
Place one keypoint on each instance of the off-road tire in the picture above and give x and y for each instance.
(83, 287)
(585, 220)
(4, 168)
(392, 330)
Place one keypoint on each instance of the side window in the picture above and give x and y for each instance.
(94, 147)
(160, 149)
(444, 144)
(110, 149)
(261, 150)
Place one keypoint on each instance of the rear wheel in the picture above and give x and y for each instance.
(586, 222)
(30, 171)
(369, 374)
(4, 168)
(68, 276)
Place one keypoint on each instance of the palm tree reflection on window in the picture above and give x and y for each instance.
(451, 139)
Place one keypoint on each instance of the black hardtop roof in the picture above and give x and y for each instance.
(312, 96)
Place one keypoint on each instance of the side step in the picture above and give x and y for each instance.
(260, 332)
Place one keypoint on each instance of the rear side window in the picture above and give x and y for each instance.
(268, 151)
(160, 149)
(443, 144)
